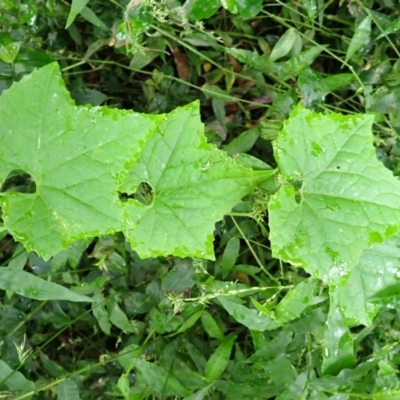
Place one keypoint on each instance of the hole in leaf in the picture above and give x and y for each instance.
(297, 197)
(19, 181)
(143, 194)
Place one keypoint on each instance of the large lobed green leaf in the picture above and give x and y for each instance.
(76, 156)
(336, 200)
(373, 282)
(81, 158)
(194, 185)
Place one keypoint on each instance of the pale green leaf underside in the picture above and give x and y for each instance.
(79, 158)
(372, 282)
(340, 199)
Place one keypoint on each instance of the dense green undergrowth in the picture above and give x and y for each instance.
(148, 255)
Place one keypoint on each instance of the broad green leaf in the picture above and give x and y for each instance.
(179, 277)
(378, 74)
(243, 390)
(211, 326)
(161, 323)
(262, 308)
(295, 301)
(127, 355)
(270, 350)
(337, 199)
(19, 258)
(197, 356)
(200, 395)
(76, 156)
(282, 70)
(123, 385)
(252, 319)
(76, 7)
(190, 321)
(194, 185)
(281, 370)
(17, 262)
(392, 28)
(314, 87)
(8, 52)
(118, 317)
(292, 67)
(67, 390)
(251, 58)
(14, 380)
(155, 46)
(29, 285)
(246, 8)
(201, 9)
(344, 378)
(244, 142)
(360, 38)
(218, 361)
(298, 386)
(100, 313)
(78, 175)
(91, 17)
(375, 277)
(338, 351)
(283, 45)
(158, 379)
(55, 370)
(311, 7)
(387, 103)
(230, 256)
(215, 92)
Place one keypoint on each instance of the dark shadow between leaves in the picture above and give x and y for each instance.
(19, 181)
(143, 194)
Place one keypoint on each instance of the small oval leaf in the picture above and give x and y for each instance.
(283, 45)
(28, 285)
(219, 359)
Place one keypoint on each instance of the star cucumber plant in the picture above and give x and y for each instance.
(82, 159)
(97, 170)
